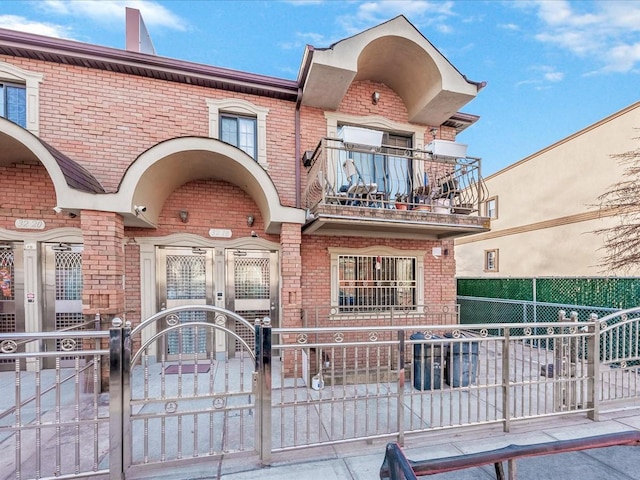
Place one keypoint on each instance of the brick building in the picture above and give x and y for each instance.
(131, 182)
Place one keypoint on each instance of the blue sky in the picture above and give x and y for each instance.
(552, 67)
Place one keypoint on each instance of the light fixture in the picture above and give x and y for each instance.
(250, 220)
(184, 216)
(375, 98)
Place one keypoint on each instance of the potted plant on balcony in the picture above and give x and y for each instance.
(401, 201)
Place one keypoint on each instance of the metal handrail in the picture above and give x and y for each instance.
(392, 177)
(394, 455)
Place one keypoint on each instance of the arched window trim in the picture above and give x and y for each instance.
(245, 108)
(31, 80)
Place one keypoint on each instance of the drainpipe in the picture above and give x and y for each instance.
(297, 134)
(301, 80)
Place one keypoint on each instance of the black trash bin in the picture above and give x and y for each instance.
(427, 362)
(461, 366)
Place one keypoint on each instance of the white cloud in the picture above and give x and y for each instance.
(554, 76)
(421, 13)
(113, 11)
(21, 24)
(605, 32)
(623, 58)
(543, 75)
(302, 39)
(509, 26)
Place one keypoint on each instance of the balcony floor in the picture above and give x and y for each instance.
(360, 221)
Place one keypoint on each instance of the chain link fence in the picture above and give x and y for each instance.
(534, 300)
(615, 293)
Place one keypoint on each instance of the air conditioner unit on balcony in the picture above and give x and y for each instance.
(360, 136)
(445, 148)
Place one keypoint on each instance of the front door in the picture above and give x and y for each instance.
(252, 286)
(185, 277)
(11, 293)
(62, 273)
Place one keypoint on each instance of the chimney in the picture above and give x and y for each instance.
(137, 37)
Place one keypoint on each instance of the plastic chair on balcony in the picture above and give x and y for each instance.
(422, 192)
(358, 191)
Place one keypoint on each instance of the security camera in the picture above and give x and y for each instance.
(139, 208)
(57, 209)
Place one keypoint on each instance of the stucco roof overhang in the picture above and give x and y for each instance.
(163, 168)
(19, 145)
(398, 55)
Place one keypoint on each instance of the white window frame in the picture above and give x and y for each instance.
(336, 252)
(487, 262)
(31, 80)
(236, 106)
(487, 211)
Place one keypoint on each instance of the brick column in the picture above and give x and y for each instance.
(103, 270)
(291, 268)
(102, 264)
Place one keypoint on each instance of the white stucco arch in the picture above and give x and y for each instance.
(166, 166)
(394, 53)
(19, 145)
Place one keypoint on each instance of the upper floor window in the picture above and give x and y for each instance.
(13, 103)
(242, 124)
(20, 96)
(491, 208)
(390, 171)
(239, 131)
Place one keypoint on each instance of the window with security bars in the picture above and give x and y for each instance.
(372, 283)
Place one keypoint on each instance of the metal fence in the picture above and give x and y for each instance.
(308, 387)
(615, 292)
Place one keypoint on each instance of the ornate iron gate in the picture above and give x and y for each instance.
(206, 402)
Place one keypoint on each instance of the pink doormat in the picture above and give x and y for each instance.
(187, 368)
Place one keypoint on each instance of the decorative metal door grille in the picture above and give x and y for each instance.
(7, 292)
(252, 281)
(252, 278)
(68, 274)
(186, 280)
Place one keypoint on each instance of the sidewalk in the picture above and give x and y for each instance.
(361, 460)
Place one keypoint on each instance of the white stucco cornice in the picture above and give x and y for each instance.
(17, 143)
(398, 55)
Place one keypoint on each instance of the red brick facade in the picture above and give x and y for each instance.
(106, 121)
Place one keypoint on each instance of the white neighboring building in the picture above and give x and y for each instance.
(544, 209)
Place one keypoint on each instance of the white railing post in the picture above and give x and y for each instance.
(506, 388)
(116, 433)
(593, 369)
(401, 380)
(263, 390)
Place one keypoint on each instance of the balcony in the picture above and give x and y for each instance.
(390, 191)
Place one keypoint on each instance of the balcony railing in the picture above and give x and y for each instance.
(393, 178)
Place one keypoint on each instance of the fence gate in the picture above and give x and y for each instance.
(183, 406)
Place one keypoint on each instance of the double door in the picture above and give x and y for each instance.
(244, 281)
